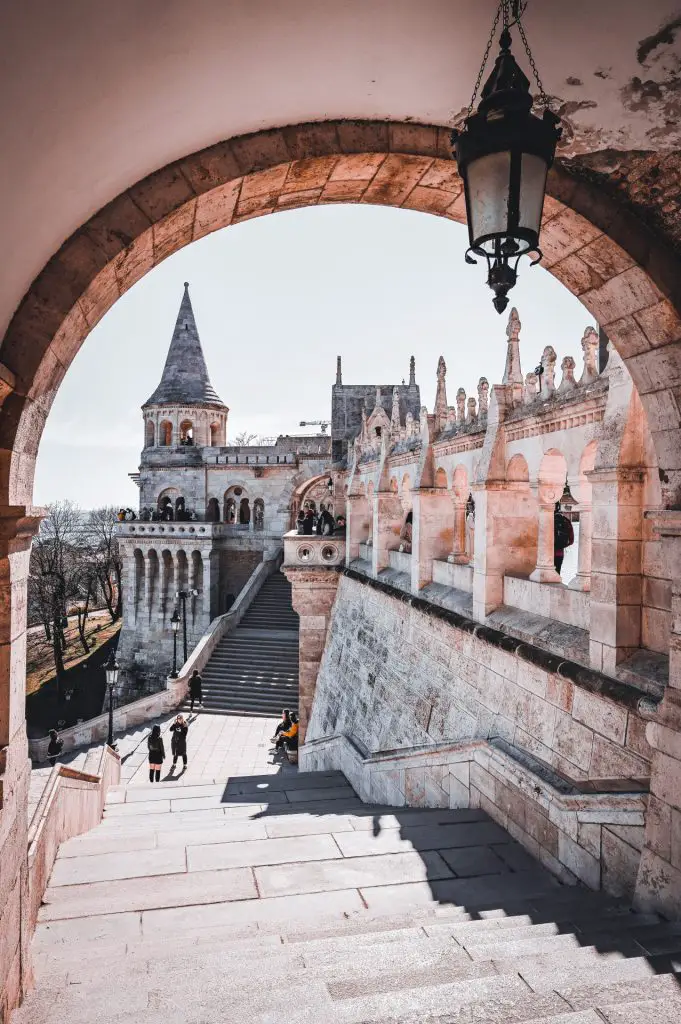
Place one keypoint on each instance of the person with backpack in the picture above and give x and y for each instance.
(563, 536)
(157, 753)
(54, 747)
(195, 690)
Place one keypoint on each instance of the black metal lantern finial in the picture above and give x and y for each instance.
(504, 153)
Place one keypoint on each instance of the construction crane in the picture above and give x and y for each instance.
(323, 424)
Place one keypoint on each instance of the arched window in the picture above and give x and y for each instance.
(258, 514)
(149, 434)
(180, 511)
(213, 511)
(214, 434)
(230, 511)
(165, 433)
(244, 512)
(186, 432)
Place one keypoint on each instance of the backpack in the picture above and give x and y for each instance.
(562, 533)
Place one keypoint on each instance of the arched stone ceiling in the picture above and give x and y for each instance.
(97, 95)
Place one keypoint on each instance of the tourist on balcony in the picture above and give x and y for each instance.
(178, 743)
(54, 747)
(563, 536)
(340, 525)
(326, 523)
(308, 523)
(157, 753)
(300, 521)
(405, 534)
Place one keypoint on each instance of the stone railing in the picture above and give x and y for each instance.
(576, 831)
(72, 802)
(155, 705)
(303, 550)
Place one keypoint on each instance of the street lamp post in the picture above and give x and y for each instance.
(174, 625)
(182, 596)
(111, 668)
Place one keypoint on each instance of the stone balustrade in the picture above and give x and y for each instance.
(311, 551)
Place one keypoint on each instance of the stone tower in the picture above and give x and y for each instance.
(185, 408)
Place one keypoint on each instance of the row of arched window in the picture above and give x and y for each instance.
(186, 434)
(237, 512)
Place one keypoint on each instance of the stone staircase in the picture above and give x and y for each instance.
(254, 670)
(282, 896)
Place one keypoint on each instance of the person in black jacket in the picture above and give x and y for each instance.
(178, 743)
(195, 689)
(157, 753)
(55, 747)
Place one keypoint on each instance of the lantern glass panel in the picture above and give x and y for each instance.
(488, 192)
(532, 188)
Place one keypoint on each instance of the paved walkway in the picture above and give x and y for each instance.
(245, 893)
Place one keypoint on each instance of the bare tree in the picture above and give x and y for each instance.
(105, 560)
(245, 438)
(55, 573)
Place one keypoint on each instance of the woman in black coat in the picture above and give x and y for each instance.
(178, 743)
(157, 753)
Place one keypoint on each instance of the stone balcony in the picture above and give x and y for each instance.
(185, 529)
(301, 551)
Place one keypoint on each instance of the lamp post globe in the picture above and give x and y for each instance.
(504, 153)
(111, 669)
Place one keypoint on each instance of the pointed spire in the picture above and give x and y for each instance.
(441, 395)
(412, 372)
(185, 377)
(512, 373)
(339, 374)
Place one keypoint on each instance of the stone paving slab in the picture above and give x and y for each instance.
(435, 837)
(321, 876)
(110, 866)
(148, 893)
(298, 849)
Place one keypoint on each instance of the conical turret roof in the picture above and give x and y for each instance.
(185, 379)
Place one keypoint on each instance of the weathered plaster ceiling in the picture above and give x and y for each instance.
(97, 95)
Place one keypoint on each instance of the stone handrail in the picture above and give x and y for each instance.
(72, 802)
(559, 821)
(154, 705)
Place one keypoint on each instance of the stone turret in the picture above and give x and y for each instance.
(185, 409)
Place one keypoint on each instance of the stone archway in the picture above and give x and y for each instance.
(623, 273)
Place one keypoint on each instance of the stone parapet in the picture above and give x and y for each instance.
(303, 551)
(578, 832)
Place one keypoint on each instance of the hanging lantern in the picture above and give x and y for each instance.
(504, 153)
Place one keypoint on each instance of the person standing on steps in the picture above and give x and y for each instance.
(563, 536)
(178, 743)
(157, 753)
(54, 747)
(195, 690)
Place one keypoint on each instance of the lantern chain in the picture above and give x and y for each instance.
(500, 8)
(542, 94)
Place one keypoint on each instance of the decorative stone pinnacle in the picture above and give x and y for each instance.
(530, 388)
(441, 395)
(590, 350)
(548, 363)
(472, 414)
(461, 405)
(568, 379)
(483, 396)
(513, 326)
(512, 371)
(412, 372)
(339, 374)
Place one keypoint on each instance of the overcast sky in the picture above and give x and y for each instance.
(276, 299)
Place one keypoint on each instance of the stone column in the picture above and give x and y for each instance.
(432, 532)
(582, 581)
(545, 570)
(211, 584)
(615, 605)
(388, 514)
(489, 560)
(313, 595)
(17, 528)
(658, 886)
(459, 554)
(357, 524)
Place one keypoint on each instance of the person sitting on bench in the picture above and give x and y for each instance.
(289, 737)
